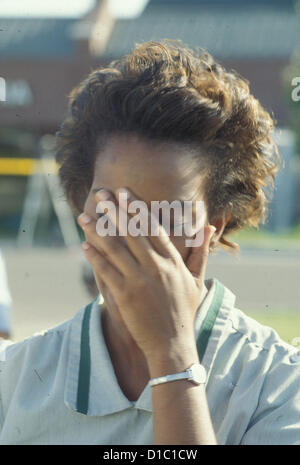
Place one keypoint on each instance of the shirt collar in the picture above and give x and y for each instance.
(91, 386)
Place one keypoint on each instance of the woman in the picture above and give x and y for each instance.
(166, 124)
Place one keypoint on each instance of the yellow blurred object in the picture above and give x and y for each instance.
(26, 166)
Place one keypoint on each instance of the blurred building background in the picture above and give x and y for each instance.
(43, 56)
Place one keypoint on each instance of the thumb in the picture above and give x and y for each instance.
(197, 259)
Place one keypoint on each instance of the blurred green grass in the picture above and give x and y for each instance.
(262, 238)
(287, 324)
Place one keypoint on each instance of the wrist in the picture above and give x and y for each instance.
(172, 361)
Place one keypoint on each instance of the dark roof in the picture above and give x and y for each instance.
(36, 37)
(227, 29)
(277, 3)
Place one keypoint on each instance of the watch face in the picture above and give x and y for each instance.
(199, 373)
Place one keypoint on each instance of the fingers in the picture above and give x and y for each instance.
(197, 260)
(101, 266)
(138, 245)
(157, 240)
(111, 246)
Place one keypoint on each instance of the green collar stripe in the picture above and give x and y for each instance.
(85, 355)
(209, 321)
(85, 363)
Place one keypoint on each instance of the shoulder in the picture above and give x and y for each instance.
(258, 376)
(267, 372)
(257, 335)
(42, 356)
(256, 353)
(45, 344)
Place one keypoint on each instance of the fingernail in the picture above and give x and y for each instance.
(102, 194)
(124, 191)
(84, 218)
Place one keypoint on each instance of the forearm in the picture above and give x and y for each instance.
(180, 409)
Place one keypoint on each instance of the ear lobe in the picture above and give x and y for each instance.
(212, 239)
(197, 257)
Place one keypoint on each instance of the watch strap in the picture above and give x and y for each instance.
(195, 373)
(167, 378)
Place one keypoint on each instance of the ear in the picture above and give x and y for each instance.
(198, 256)
(219, 224)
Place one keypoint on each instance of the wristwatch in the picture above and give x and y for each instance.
(196, 373)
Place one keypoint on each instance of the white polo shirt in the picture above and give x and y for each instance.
(59, 386)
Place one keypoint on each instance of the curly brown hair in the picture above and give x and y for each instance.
(166, 92)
